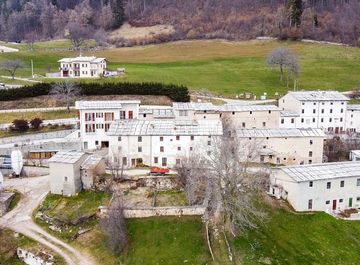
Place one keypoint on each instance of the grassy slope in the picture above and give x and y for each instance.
(49, 115)
(225, 68)
(301, 239)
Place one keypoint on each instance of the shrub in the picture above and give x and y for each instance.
(36, 123)
(177, 93)
(20, 125)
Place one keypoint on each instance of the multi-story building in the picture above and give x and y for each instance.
(241, 116)
(96, 116)
(82, 66)
(160, 142)
(282, 146)
(319, 187)
(353, 118)
(317, 109)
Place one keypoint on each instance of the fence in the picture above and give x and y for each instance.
(164, 211)
(23, 139)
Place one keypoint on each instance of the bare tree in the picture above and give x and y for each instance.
(30, 39)
(77, 34)
(12, 66)
(114, 226)
(284, 59)
(116, 165)
(223, 180)
(66, 91)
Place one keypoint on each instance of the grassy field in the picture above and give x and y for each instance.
(49, 115)
(224, 68)
(289, 238)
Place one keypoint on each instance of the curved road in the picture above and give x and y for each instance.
(20, 219)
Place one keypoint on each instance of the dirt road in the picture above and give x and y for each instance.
(20, 219)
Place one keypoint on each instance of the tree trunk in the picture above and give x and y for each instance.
(281, 73)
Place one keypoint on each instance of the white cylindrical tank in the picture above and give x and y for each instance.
(17, 161)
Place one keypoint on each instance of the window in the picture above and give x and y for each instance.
(177, 137)
(139, 149)
(250, 112)
(109, 116)
(209, 143)
(292, 120)
(65, 179)
(282, 121)
(330, 119)
(162, 149)
(139, 139)
(179, 148)
(178, 161)
(358, 182)
(311, 183)
(313, 119)
(302, 120)
(131, 115)
(327, 202)
(156, 160)
(310, 153)
(183, 113)
(96, 142)
(161, 138)
(322, 110)
(314, 111)
(341, 119)
(322, 119)
(191, 148)
(311, 142)
(310, 161)
(269, 111)
(119, 139)
(342, 183)
(342, 111)
(341, 200)
(122, 115)
(310, 204)
(164, 162)
(328, 185)
(243, 125)
(358, 199)
(303, 111)
(331, 111)
(264, 124)
(144, 115)
(192, 137)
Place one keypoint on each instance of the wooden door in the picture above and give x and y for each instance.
(334, 205)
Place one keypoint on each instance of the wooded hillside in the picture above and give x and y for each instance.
(330, 20)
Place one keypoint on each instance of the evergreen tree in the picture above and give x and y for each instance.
(295, 12)
(117, 7)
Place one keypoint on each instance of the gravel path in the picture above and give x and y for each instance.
(19, 219)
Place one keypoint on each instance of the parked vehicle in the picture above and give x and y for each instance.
(159, 171)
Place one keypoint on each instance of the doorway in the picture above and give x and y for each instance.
(350, 202)
(334, 205)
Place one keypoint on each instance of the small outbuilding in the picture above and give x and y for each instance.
(92, 167)
(355, 155)
(65, 177)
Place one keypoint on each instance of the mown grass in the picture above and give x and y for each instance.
(289, 238)
(48, 115)
(224, 68)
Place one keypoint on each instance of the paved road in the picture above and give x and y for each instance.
(19, 219)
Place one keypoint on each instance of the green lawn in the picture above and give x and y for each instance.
(48, 115)
(225, 68)
(297, 239)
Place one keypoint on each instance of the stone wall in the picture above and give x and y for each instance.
(37, 136)
(164, 211)
(5, 200)
(29, 171)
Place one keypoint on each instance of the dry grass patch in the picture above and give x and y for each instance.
(129, 32)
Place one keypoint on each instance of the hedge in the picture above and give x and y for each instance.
(176, 93)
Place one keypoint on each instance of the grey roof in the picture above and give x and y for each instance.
(353, 107)
(158, 113)
(108, 104)
(318, 95)
(68, 157)
(242, 108)
(355, 152)
(280, 133)
(164, 127)
(91, 161)
(286, 113)
(323, 171)
(222, 108)
(91, 59)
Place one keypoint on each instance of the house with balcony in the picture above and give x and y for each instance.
(82, 67)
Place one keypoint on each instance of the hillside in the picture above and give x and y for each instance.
(221, 67)
(330, 20)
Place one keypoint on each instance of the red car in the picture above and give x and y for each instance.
(159, 171)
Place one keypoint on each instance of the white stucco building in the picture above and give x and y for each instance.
(160, 143)
(316, 109)
(318, 187)
(354, 155)
(65, 178)
(282, 146)
(353, 118)
(82, 67)
(96, 116)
